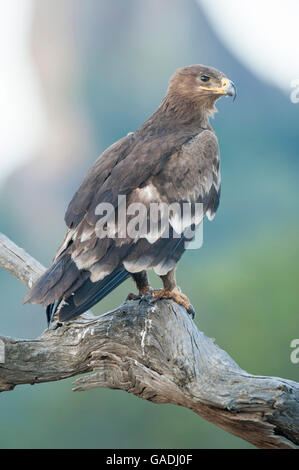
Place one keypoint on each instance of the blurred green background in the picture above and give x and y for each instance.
(102, 69)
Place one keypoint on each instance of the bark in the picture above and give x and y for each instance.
(155, 351)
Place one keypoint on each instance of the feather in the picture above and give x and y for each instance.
(173, 158)
(86, 296)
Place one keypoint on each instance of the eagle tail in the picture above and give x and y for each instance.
(88, 294)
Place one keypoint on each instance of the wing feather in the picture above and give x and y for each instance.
(179, 167)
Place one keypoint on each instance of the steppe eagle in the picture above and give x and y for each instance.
(172, 158)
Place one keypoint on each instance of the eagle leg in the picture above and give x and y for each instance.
(175, 295)
(142, 284)
(171, 291)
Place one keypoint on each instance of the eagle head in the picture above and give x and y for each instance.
(199, 84)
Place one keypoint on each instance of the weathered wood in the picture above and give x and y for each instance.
(156, 352)
(17, 262)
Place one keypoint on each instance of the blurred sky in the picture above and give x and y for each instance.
(263, 35)
(21, 107)
(270, 54)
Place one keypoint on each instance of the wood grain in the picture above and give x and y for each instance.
(156, 352)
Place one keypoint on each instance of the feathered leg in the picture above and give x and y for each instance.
(142, 284)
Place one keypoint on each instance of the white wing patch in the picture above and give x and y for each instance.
(147, 194)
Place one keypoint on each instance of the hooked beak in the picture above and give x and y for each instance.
(226, 88)
(230, 89)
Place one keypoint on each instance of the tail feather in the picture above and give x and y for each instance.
(86, 296)
(54, 282)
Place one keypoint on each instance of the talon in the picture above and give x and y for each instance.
(54, 326)
(143, 292)
(132, 296)
(191, 311)
(176, 295)
(145, 298)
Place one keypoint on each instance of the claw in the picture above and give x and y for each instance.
(132, 296)
(146, 298)
(177, 296)
(191, 311)
(54, 326)
(142, 294)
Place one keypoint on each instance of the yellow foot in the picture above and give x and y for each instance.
(175, 295)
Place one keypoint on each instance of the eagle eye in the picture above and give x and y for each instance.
(204, 78)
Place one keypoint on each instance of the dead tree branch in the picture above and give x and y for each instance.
(156, 352)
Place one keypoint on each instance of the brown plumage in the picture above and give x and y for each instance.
(172, 158)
